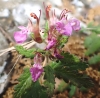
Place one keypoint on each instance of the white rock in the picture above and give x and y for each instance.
(4, 13)
(3, 82)
(56, 2)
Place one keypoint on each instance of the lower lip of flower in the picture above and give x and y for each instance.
(72, 24)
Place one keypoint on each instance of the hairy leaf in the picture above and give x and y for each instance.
(92, 43)
(94, 28)
(49, 74)
(29, 89)
(25, 82)
(62, 41)
(35, 91)
(72, 90)
(55, 64)
(83, 89)
(72, 62)
(49, 79)
(75, 77)
(94, 59)
(91, 28)
(62, 86)
(50, 88)
(27, 53)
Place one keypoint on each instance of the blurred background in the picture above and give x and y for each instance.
(14, 13)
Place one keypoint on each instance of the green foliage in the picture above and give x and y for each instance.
(63, 40)
(49, 74)
(72, 62)
(27, 53)
(62, 86)
(29, 89)
(92, 43)
(83, 89)
(68, 69)
(54, 64)
(72, 90)
(74, 76)
(35, 91)
(94, 28)
(91, 28)
(94, 59)
(50, 88)
(24, 83)
(49, 80)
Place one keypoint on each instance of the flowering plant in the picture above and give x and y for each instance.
(52, 62)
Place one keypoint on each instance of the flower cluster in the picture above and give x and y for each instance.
(58, 27)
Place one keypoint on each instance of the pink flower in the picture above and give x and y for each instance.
(36, 72)
(37, 68)
(51, 43)
(75, 23)
(63, 27)
(59, 26)
(21, 36)
(66, 27)
(67, 30)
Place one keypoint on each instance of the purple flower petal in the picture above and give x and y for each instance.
(64, 27)
(20, 37)
(51, 43)
(36, 72)
(75, 24)
(67, 30)
(37, 68)
(59, 26)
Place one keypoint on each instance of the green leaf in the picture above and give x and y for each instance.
(92, 43)
(55, 64)
(75, 77)
(63, 40)
(72, 62)
(27, 53)
(24, 83)
(49, 79)
(94, 59)
(68, 69)
(50, 88)
(35, 91)
(49, 74)
(62, 86)
(83, 89)
(46, 30)
(72, 91)
(94, 28)
(26, 88)
(88, 40)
